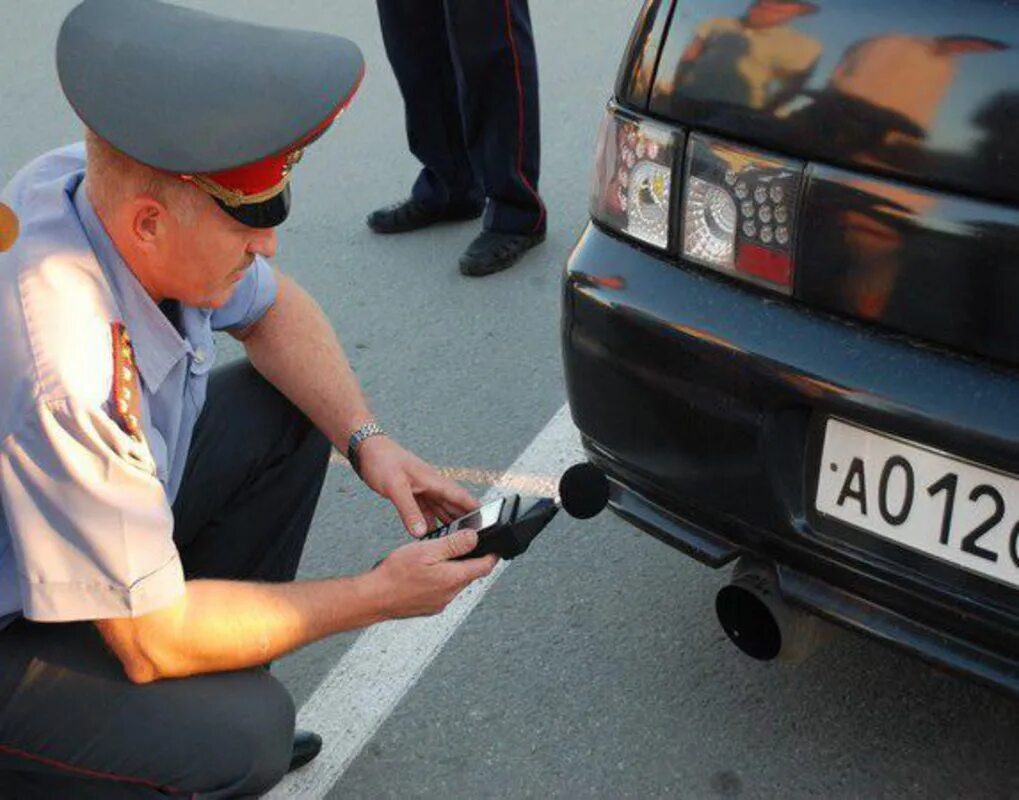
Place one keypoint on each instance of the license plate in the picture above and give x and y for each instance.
(951, 509)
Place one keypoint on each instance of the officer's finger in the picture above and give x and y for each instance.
(406, 506)
(433, 511)
(444, 512)
(457, 544)
(475, 568)
(452, 495)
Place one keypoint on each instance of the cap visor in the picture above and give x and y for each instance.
(267, 214)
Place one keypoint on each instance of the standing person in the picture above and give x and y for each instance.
(759, 59)
(153, 511)
(468, 73)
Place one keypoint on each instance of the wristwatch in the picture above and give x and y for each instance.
(366, 431)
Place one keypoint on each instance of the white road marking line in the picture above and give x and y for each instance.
(382, 665)
(537, 485)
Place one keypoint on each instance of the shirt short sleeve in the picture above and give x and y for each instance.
(252, 297)
(90, 523)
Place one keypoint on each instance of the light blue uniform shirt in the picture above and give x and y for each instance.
(86, 527)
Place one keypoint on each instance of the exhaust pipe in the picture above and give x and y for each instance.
(759, 621)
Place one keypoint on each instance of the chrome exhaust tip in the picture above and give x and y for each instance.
(759, 621)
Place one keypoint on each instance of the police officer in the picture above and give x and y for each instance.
(469, 77)
(153, 510)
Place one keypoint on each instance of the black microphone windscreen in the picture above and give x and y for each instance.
(584, 491)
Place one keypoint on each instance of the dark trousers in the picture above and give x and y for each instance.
(71, 724)
(468, 73)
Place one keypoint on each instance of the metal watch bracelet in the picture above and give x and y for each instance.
(366, 431)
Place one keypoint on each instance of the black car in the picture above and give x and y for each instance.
(791, 329)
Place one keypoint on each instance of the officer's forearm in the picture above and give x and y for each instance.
(219, 626)
(297, 350)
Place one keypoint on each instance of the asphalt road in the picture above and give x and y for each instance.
(594, 667)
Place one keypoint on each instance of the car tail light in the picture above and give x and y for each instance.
(739, 212)
(632, 190)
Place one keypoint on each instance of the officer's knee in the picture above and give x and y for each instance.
(258, 389)
(264, 731)
(319, 449)
(266, 409)
(245, 737)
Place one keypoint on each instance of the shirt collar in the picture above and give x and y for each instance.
(157, 344)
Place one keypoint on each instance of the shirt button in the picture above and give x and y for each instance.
(199, 356)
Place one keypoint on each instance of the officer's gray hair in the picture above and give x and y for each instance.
(111, 178)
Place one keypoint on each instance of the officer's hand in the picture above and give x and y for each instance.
(421, 495)
(419, 579)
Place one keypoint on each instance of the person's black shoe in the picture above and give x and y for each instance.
(492, 252)
(410, 215)
(306, 746)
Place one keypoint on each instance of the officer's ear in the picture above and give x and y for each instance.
(148, 219)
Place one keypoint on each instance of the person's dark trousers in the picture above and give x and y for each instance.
(71, 724)
(468, 73)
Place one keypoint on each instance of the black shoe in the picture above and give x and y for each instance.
(492, 252)
(410, 215)
(306, 746)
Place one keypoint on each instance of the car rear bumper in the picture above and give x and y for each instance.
(705, 403)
